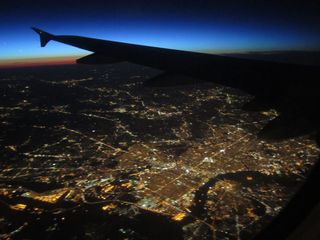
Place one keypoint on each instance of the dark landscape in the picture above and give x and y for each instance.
(95, 152)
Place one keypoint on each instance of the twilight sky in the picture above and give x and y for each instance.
(205, 26)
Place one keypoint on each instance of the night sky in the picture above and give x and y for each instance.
(205, 26)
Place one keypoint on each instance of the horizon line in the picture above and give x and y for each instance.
(34, 61)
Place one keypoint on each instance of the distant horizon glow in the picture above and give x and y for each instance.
(38, 61)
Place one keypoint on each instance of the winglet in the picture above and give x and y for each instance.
(44, 36)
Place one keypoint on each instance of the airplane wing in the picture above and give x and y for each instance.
(291, 89)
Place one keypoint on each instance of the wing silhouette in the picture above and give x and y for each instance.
(289, 88)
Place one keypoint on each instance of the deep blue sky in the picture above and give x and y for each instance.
(206, 26)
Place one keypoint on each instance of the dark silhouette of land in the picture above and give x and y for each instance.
(301, 57)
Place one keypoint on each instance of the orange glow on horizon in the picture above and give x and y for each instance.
(33, 62)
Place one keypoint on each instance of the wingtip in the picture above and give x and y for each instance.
(37, 30)
(44, 36)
